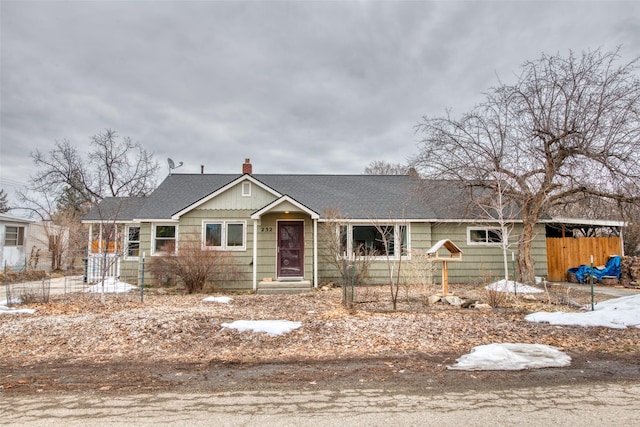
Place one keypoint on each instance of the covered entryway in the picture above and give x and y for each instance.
(290, 258)
(282, 261)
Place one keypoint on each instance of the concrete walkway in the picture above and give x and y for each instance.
(616, 291)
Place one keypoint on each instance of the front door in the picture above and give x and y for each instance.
(290, 249)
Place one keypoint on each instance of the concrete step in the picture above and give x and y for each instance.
(284, 287)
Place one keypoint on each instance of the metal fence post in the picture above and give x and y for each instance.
(142, 280)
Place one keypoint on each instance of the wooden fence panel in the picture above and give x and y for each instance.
(564, 253)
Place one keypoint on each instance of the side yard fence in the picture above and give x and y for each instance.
(568, 252)
(21, 283)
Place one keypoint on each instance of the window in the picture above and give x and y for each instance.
(484, 236)
(133, 241)
(246, 189)
(227, 235)
(164, 239)
(14, 236)
(371, 240)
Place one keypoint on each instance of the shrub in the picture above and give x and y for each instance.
(196, 266)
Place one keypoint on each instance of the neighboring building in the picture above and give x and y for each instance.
(272, 224)
(28, 244)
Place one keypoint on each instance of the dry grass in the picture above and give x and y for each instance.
(184, 328)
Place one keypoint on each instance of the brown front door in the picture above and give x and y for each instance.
(290, 249)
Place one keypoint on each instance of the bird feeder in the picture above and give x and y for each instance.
(453, 253)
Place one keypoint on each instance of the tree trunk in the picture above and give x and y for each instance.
(526, 265)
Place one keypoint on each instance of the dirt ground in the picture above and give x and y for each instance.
(173, 342)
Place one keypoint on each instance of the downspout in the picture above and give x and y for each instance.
(255, 255)
(315, 253)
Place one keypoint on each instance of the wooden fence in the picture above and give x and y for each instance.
(564, 253)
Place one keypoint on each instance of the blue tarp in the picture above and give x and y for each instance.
(612, 268)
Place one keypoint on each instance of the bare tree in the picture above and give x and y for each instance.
(394, 267)
(4, 202)
(115, 166)
(382, 167)
(568, 127)
(68, 183)
(494, 205)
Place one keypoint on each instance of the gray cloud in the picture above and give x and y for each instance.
(303, 87)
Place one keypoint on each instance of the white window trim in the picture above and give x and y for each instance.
(396, 243)
(126, 241)
(223, 237)
(153, 237)
(17, 239)
(246, 189)
(487, 229)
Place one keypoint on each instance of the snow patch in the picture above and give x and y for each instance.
(111, 286)
(271, 327)
(221, 300)
(617, 313)
(512, 287)
(7, 310)
(511, 357)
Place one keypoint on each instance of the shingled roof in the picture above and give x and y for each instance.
(353, 196)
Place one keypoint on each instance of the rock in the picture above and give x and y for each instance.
(468, 303)
(328, 286)
(483, 306)
(453, 300)
(529, 297)
(434, 299)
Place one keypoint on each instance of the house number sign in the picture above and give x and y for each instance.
(266, 229)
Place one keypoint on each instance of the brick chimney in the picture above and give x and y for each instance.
(246, 167)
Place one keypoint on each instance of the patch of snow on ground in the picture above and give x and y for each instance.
(6, 310)
(617, 313)
(221, 300)
(511, 357)
(111, 286)
(271, 327)
(13, 301)
(512, 287)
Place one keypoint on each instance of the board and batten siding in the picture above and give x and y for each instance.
(232, 199)
(484, 263)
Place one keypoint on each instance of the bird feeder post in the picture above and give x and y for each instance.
(445, 279)
(455, 254)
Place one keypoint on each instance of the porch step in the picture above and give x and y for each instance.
(282, 287)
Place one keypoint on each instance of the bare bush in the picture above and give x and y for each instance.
(495, 298)
(418, 272)
(196, 266)
(352, 270)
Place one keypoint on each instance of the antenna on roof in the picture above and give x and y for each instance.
(172, 165)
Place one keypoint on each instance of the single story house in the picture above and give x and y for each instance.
(29, 244)
(276, 226)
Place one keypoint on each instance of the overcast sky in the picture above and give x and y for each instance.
(297, 86)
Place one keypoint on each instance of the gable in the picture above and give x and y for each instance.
(232, 194)
(232, 198)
